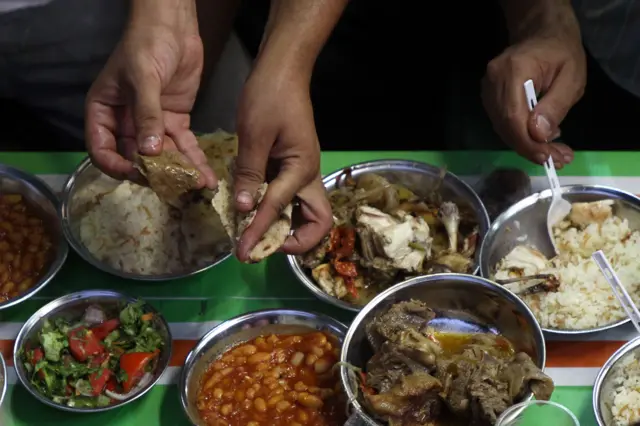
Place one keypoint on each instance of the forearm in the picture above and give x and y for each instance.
(535, 17)
(296, 32)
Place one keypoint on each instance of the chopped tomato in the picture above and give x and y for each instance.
(351, 286)
(112, 384)
(134, 364)
(102, 330)
(345, 268)
(98, 380)
(37, 356)
(83, 344)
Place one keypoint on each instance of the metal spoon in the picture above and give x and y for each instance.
(560, 208)
(618, 289)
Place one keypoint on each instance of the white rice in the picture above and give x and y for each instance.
(625, 393)
(130, 229)
(584, 299)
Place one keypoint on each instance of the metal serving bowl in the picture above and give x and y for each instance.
(525, 223)
(3, 378)
(242, 329)
(73, 306)
(44, 203)
(72, 211)
(604, 384)
(464, 303)
(418, 177)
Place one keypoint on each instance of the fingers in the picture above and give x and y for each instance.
(316, 211)
(147, 114)
(250, 169)
(279, 194)
(187, 144)
(100, 130)
(553, 107)
(506, 105)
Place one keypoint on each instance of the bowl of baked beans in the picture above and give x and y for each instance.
(271, 367)
(32, 245)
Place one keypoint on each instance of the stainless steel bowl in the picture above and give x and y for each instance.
(417, 177)
(604, 384)
(72, 211)
(241, 329)
(525, 223)
(3, 379)
(44, 203)
(73, 306)
(464, 303)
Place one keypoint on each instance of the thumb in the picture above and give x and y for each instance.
(249, 172)
(147, 117)
(545, 119)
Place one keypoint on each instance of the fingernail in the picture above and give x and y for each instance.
(543, 124)
(556, 135)
(541, 158)
(567, 159)
(244, 197)
(151, 143)
(557, 165)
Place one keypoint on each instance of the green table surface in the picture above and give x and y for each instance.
(194, 304)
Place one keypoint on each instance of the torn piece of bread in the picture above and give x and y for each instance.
(236, 224)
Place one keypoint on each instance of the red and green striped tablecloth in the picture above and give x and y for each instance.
(194, 305)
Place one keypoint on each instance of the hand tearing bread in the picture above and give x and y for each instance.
(235, 223)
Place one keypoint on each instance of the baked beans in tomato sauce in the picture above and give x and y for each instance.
(25, 247)
(275, 380)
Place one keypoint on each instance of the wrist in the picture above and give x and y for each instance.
(174, 13)
(540, 18)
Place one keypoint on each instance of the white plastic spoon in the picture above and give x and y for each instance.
(560, 208)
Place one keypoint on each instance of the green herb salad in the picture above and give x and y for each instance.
(101, 359)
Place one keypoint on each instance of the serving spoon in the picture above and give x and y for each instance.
(560, 208)
(618, 289)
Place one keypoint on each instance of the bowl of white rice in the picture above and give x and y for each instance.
(124, 229)
(616, 392)
(567, 293)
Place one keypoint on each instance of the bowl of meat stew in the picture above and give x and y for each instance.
(393, 220)
(443, 349)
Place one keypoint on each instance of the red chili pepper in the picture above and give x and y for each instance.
(351, 286)
(134, 364)
(345, 268)
(102, 330)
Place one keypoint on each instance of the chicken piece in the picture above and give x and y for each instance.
(584, 214)
(455, 262)
(332, 285)
(405, 241)
(449, 215)
(521, 261)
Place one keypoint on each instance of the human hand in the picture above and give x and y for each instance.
(555, 61)
(141, 101)
(276, 129)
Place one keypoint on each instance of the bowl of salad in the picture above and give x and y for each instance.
(92, 351)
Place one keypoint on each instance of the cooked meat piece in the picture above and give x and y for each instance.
(522, 374)
(315, 256)
(488, 394)
(386, 368)
(401, 316)
(418, 347)
(449, 215)
(406, 241)
(400, 400)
